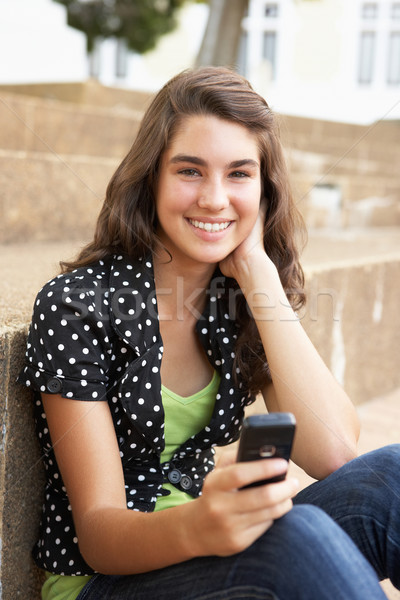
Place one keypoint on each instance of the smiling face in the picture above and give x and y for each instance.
(209, 189)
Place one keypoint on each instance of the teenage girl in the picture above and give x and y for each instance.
(144, 353)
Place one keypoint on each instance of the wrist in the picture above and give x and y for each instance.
(189, 534)
(253, 269)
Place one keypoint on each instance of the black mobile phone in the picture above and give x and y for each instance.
(267, 436)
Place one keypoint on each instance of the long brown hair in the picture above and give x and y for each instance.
(127, 221)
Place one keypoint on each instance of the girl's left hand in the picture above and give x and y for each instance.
(249, 249)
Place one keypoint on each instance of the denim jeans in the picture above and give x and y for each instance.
(340, 538)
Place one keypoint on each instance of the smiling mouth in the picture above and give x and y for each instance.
(206, 226)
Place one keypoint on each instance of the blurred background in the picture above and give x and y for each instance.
(328, 59)
(75, 78)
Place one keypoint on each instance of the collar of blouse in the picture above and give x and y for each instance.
(134, 316)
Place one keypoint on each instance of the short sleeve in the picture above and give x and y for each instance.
(70, 341)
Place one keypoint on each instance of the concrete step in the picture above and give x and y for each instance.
(351, 315)
(50, 196)
(46, 125)
(90, 93)
(56, 158)
(375, 142)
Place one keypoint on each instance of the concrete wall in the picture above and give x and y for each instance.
(359, 162)
(21, 475)
(352, 317)
(51, 196)
(89, 92)
(47, 125)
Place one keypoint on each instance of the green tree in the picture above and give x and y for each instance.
(139, 22)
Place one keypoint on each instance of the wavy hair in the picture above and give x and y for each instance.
(127, 221)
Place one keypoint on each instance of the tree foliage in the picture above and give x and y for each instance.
(139, 22)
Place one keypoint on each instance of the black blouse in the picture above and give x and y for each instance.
(95, 336)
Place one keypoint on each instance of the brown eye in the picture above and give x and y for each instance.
(189, 172)
(238, 174)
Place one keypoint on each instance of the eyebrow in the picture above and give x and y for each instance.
(178, 158)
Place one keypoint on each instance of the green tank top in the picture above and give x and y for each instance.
(184, 417)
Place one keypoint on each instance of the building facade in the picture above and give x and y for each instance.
(318, 58)
(327, 59)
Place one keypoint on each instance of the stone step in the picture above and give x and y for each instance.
(375, 142)
(57, 196)
(56, 158)
(90, 93)
(51, 196)
(348, 334)
(45, 125)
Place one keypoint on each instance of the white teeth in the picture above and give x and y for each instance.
(210, 226)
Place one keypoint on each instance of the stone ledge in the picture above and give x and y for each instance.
(351, 315)
(51, 196)
(89, 93)
(360, 346)
(43, 125)
(21, 475)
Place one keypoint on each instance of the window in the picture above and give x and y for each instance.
(395, 12)
(369, 10)
(271, 10)
(242, 54)
(269, 50)
(393, 73)
(367, 56)
(121, 58)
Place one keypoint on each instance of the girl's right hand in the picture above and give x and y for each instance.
(228, 519)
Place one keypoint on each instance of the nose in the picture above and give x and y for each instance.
(213, 196)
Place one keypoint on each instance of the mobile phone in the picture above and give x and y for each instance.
(267, 436)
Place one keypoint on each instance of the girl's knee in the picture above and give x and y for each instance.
(305, 519)
(307, 527)
(382, 464)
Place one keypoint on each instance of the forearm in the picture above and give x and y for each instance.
(120, 541)
(327, 424)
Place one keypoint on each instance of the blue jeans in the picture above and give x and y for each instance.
(340, 538)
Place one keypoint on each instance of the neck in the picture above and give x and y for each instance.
(181, 289)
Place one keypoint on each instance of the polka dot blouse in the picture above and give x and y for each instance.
(95, 336)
